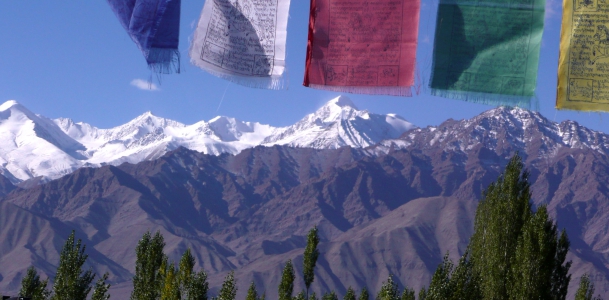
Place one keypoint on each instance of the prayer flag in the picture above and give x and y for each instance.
(583, 64)
(243, 41)
(362, 46)
(487, 51)
(154, 25)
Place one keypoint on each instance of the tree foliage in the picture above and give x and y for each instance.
(229, 287)
(586, 289)
(252, 294)
(389, 290)
(310, 257)
(286, 286)
(502, 212)
(71, 282)
(100, 291)
(148, 279)
(170, 289)
(515, 253)
(408, 294)
(330, 296)
(363, 295)
(350, 295)
(33, 287)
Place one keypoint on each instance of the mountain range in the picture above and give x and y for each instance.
(34, 146)
(391, 207)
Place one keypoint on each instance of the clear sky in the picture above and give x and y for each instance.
(73, 59)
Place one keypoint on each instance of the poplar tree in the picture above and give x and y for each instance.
(185, 273)
(313, 296)
(560, 272)
(330, 296)
(502, 212)
(586, 289)
(171, 285)
(229, 287)
(300, 296)
(533, 262)
(100, 291)
(463, 281)
(389, 290)
(363, 295)
(252, 294)
(286, 286)
(148, 279)
(408, 294)
(350, 295)
(310, 258)
(440, 287)
(71, 282)
(198, 287)
(32, 287)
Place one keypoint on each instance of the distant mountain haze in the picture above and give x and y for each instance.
(35, 146)
(392, 206)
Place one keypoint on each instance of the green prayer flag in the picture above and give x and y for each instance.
(487, 51)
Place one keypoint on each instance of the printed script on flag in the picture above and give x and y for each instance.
(583, 69)
(243, 41)
(362, 46)
(487, 51)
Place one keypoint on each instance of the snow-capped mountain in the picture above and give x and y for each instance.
(32, 145)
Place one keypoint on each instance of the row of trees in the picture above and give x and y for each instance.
(71, 282)
(514, 253)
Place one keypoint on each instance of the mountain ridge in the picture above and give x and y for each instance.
(392, 208)
(58, 147)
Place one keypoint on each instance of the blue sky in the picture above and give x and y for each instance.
(73, 59)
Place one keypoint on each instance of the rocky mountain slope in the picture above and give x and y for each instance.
(396, 207)
(35, 146)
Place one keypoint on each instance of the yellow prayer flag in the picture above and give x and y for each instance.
(583, 64)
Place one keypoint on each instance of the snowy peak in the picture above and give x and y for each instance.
(339, 123)
(503, 130)
(342, 101)
(32, 145)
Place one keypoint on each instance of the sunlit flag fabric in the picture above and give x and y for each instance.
(154, 25)
(583, 69)
(362, 46)
(487, 51)
(243, 41)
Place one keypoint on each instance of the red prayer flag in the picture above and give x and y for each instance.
(362, 46)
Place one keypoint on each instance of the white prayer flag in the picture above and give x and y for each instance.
(243, 41)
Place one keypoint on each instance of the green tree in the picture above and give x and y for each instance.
(100, 291)
(171, 283)
(198, 287)
(229, 287)
(32, 287)
(310, 258)
(70, 280)
(408, 294)
(389, 290)
(533, 262)
(300, 296)
(313, 296)
(350, 295)
(252, 294)
(186, 272)
(586, 289)
(363, 295)
(440, 287)
(422, 294)
(330, 296)
(148, 280)
(502, 212)
(560, 272)
(463, 281)
(286, 286)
